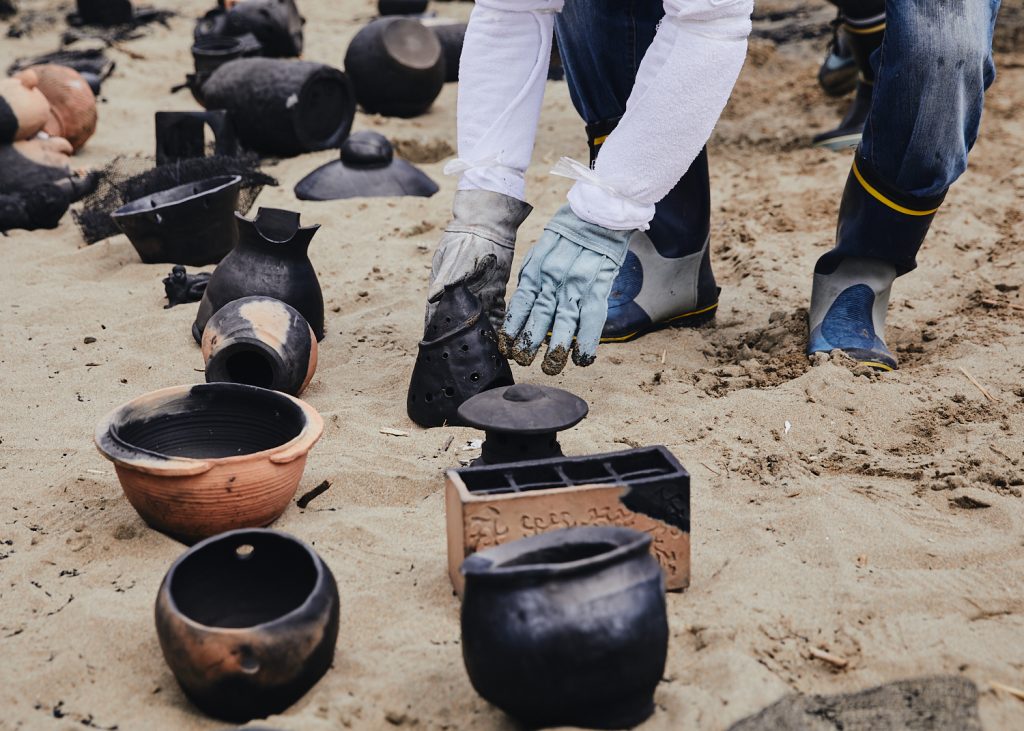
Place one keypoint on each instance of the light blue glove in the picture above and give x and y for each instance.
(563, 289)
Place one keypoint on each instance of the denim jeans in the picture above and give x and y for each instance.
(931, 73)
(602, 43)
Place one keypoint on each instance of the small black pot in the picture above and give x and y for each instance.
(277, 25)
(272, 260)
(262, 342)
(190, 224)
(247, 622)
(567, 627)
(283, 107)
(105, 12)
(396, 66)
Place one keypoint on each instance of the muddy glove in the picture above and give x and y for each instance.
(477, 249)
(563, 289)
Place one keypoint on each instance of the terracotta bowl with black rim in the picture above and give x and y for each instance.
(191, 224)
(198, 460)
(248, 622)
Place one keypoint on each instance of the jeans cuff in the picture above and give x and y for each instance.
(889, 195)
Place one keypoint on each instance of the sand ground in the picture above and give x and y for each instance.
(878, 518)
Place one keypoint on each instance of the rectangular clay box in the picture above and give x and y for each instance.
(645, 489)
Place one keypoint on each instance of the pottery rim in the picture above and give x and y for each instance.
(129, 456)
(627, 542)
(137, 206)
(172, 605)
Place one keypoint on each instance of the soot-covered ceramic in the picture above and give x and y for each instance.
(248, 621)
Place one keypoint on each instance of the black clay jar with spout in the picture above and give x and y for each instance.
(271, 259)
(567, 627)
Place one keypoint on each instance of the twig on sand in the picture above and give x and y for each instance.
(447, 443)
(984, 391)
(996, 303)
(710, 468)
(393, 432)
(316, 492)
(831, 659)
(1015, 692)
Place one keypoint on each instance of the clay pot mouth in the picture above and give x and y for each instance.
(251, 578)
(247, 361)
(410, 46)
(564, 552)
(159, 203)
(186, 430)
(278, 226)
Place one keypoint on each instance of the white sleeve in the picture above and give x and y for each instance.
(682, 86)
(502, 74)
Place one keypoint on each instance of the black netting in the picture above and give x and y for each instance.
(129, 178)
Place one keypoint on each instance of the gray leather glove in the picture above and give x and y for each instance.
(477, 249)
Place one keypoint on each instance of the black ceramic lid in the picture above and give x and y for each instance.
(367, 149)
(524, 408)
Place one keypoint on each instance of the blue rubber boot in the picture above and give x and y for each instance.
(848, 308)
(879, 233)
(666, 279)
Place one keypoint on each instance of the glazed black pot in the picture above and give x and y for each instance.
(567, 627)
(451, 36)
(458, 358)
(396, 66)
(283, 107)
(260, 341)
(401, 7)
(247, 621)
(271, 259)
(105, 12)
(277, 25)
(190, 224)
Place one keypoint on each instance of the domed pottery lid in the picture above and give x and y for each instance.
(524, 408)
(367, 168)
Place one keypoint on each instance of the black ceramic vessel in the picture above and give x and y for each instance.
(451, 36)
(283, 107)
(247, 621)
(396, 66)
(567, 627)
(522, 422)
(105, 12)
(272, 260)
(277, 25)
(367, 169)
(182, 287)
(401, 7)
(262, 342)
(210, 52)
(458, 358)
(190, 224)
(182, 135)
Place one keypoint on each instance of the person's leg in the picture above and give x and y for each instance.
(931, 75)
(666, 277)
(863, 28)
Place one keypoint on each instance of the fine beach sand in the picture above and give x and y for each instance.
(879, 518)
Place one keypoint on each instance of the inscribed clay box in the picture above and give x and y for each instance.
(645, 489)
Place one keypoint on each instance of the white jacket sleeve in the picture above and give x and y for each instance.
(682, 86)
(502, 74)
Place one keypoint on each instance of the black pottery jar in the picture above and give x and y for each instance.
(105, 12)
(283, 107)
(260, 341)
(248, 621)
(567, 627)
(271, 260)
(396, 66)
(191, 224)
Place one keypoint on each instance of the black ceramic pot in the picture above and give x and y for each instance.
(211, 52)
(451, 36)
(567, 627)
(277, 25)
(191, 224)
(262, 342)
(182, 135)
(396, 67)
(105, 12)
(458, 358)
(283, 107)
(271, 259)
(401, 7)
(247, 622)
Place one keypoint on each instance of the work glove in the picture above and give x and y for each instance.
(563, 289)
(476, 249)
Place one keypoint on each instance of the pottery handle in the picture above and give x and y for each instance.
(309, 436)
